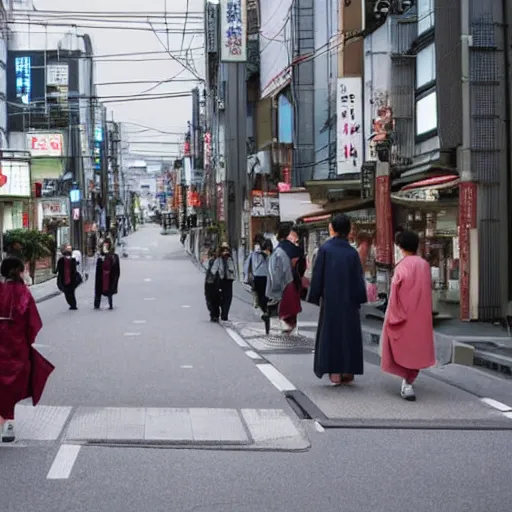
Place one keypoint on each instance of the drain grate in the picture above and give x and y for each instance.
(280, 341)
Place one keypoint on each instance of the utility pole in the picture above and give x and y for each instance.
(236, 149)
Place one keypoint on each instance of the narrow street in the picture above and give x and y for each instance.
(151, 407)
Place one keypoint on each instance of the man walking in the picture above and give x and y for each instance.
(68, 277)
(338, 287)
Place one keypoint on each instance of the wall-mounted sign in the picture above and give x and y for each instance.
(57, 75)
(350, 121)
(23, 70)
(14, 179)
(44, 144)
(264, 204)
(233, 30)
(212, 28)
(54, 208)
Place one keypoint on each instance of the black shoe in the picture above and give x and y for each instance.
(214, 320)
(73, 309)
(111, 308)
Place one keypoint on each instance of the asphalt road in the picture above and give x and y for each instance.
(98, 441)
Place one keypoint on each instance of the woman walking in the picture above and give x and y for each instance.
(68, 277)
(224, 266)
(23, 371)
(108, 271)
(407, 342)
(212, 287)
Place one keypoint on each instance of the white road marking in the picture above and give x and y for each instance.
(145, 249)
(36, 345)
(147, 280)
(185, 306)
(134, 248)
(64, 462)
(135, 257)
(276, 377)
(508, 415)
(149, 298)
(186, 366)
(319, 427)
(149, 257)
(252, 354)
(237, 338)
(132, 334)
(496, 405)
(140, 321)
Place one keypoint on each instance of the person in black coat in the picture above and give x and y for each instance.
(108, 271)
(68, 277)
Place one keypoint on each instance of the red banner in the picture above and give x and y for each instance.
(384, 222)
(467, 221)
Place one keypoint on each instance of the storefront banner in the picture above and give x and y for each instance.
(54, 208)
(467, 222)
(233, 30)
(14, 179)
(350, 121)
(45, 144)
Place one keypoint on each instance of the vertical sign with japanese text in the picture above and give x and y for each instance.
(233, 30)
(350, 121)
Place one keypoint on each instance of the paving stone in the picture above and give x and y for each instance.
(218, 425)
(274, 429)
(168, 425)
(41, 423)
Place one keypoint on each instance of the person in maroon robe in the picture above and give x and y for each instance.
(23, 371)
(68, 277)
(108, 271)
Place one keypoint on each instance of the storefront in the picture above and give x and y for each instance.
(53, 218)
(15, 191)
(431, 208)
(264, 213)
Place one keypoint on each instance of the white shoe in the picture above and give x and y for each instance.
(8, 434)
(407, 392)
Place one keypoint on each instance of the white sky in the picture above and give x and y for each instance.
(169, 115)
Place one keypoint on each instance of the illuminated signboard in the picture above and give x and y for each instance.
(14, 179)
(23, 70)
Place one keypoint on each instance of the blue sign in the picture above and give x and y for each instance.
(23, 70)
(74, 195)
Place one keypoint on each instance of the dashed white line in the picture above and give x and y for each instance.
(186, 366)
(140, 321)
(185, 306)
(147, 280)
(149, 298)
(276, 377)
(496, 405)
(132, 334)
(237, 338)
(64, 462)
(252, 354)
(135, 257)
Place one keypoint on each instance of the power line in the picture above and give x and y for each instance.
(129, 82)
(184, 26)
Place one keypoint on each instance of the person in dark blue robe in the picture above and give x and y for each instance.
(338, 287)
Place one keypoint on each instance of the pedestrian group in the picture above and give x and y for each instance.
(338, 287)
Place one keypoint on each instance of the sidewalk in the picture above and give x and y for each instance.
(45, 291)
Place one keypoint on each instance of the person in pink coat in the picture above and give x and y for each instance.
(407, 342)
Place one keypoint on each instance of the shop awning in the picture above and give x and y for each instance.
(434, 193)
(323, 191)
(296, 203)
(330, 209)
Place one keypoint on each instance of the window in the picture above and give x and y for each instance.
(23, 70)
(425, 66)
(426, 114)
(425, 15)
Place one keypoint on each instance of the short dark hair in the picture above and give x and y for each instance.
(258, 239)
(11, 267)
(283, 232)
(267, 245)
(408, 241)
(341, 224)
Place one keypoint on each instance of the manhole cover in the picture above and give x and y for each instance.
(291, 342)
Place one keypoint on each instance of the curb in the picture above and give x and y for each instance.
(48, 297)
